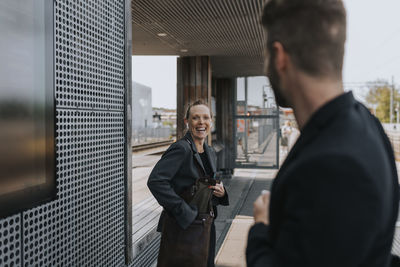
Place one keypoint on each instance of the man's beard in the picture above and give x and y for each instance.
(274, 80)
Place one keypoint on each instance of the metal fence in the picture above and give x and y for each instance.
(145, 135)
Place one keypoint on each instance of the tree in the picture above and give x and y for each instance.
(378, 97)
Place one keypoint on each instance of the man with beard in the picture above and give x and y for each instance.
(334, 201)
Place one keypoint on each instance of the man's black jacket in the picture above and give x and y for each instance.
(334, 201)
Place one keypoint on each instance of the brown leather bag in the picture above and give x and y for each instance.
(185, 248)
(189, 247)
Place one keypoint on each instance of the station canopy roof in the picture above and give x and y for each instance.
(229, 31)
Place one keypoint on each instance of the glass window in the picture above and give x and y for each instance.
(240, 96)
(256, 142)
(27, 175)
(257, 119)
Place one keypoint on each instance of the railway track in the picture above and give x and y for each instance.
(141, 147)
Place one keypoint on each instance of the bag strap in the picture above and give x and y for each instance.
(200, 171)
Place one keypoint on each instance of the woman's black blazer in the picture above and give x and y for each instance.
(173, 173)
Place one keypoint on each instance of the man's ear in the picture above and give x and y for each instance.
(281, 57)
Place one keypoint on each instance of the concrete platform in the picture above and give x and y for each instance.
(231, 251)
(142, 165)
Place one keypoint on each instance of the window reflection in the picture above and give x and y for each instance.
(26, 106)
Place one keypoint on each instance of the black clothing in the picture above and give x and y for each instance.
(395, 261)
(175, 172)
(334, 201)
(206, 164)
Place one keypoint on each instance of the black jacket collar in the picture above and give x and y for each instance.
(196, 155)
(322, 117)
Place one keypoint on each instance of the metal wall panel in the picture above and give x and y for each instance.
(10, 241)
(85, 226)
(89, 49)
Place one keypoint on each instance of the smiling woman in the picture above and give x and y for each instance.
(184, 174)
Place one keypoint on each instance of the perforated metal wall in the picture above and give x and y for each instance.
(89, 50)
(10, 241)
(85, 226)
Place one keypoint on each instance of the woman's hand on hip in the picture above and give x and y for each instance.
(218, 190)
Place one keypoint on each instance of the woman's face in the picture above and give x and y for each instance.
(199, 122)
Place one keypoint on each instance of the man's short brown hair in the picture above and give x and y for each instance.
(313, 33)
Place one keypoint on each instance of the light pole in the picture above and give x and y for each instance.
(265, 99)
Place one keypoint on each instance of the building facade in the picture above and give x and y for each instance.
(88, 224)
